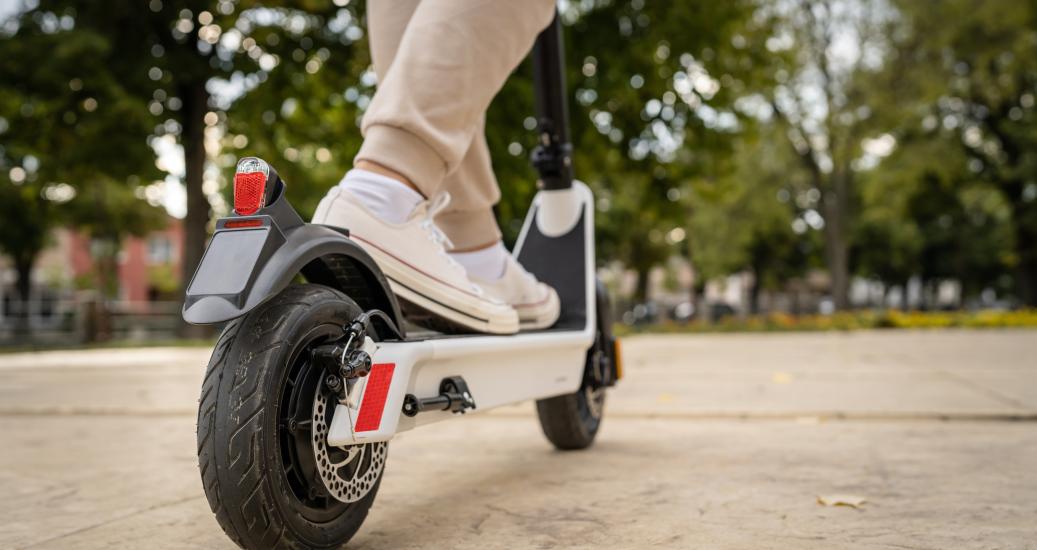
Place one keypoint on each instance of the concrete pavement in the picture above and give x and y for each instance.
(719, 441)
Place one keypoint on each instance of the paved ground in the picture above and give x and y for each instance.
(718, 441)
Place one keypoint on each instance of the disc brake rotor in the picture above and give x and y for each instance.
(347, 478)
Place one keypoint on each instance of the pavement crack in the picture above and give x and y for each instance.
(110, 521)
(989, 392)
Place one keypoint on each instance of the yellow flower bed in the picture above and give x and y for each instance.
(852, 320)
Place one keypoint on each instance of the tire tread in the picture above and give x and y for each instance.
(560, 420)
(231, 421)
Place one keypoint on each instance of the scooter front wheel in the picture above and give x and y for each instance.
(571, 421)
(259, 441)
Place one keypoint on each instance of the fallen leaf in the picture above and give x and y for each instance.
(853, 501)
(781, 378)
(665, 397)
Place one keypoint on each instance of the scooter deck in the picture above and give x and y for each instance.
(498, 369)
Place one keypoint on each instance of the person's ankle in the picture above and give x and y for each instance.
(383, 170)
(388, 198)
(485, 262)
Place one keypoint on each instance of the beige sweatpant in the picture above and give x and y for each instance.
(439, 64)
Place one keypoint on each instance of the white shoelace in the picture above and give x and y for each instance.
(434, 206)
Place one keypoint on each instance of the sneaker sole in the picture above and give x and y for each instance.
(432, 302)
(433, 315)
(540, 316)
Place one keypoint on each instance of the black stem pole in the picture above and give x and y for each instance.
(552, 156)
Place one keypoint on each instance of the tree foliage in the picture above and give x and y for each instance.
(973, 63)
(73, 133)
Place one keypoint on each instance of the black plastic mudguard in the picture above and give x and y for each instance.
(252, 258)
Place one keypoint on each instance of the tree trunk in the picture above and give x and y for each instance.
(107, 266)
(1026, 282)
(698, 300)
(23, 289)
(1026, 248)
(697, 292)
(195, 105)
(643, 278)
(834, 205)
(754, 293)
(796, 306)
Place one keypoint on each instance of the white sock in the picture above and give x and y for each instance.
(487, 264)
(388, 199)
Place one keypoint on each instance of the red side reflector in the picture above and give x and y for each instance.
(248, 192)
(237, 224)
(375, 393)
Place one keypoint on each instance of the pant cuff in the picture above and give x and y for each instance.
(403, 152)
(469, 229)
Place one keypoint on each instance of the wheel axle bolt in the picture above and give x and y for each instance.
(333, 383)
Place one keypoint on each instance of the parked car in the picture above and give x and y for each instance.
(642, 314)
(686, 312)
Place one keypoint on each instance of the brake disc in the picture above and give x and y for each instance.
(349, 478)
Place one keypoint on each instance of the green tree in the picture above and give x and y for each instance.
(975, 61)
(782, 237)
(750, 219)
(886, 242)
(925, 214)
(655, 85)
(70, 128)
(188, 60)
(829, 100)
(961, 237)
(305, 117)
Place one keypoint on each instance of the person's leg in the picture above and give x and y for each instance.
(453, 58)
(425, 122)
(379, 187)
(468, 220)
(472, 227)
(494, 34)
(386, 22)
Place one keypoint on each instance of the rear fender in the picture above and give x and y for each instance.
(251, 258)
(244, 267)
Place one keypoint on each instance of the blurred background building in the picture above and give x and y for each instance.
(62, 294)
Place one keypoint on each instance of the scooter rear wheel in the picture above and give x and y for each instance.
(254, 434)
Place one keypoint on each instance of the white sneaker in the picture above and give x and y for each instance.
(413, 258)
(537, 304)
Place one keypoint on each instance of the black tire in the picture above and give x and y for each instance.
(569, 421)
(244, 443)
(572, 421)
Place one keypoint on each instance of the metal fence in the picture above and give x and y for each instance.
(74, 322)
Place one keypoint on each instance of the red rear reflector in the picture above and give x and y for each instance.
(248, 192)
(373, 403)
(236, 224)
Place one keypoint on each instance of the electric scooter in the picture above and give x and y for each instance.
(320, 364)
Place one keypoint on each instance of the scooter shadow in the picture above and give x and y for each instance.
(534, 491)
